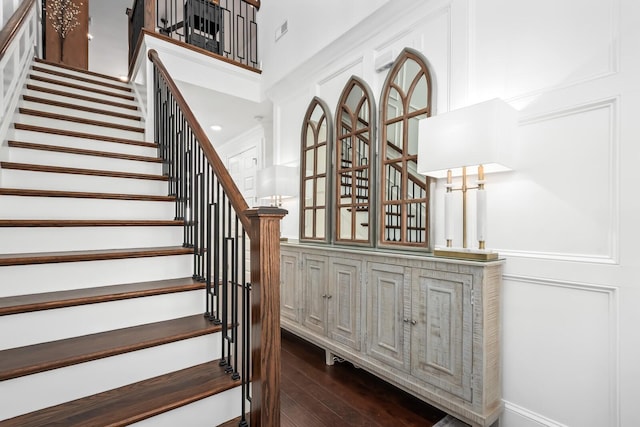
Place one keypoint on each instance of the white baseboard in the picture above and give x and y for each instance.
(517, 416)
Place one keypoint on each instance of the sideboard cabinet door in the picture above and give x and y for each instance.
(441, 335)
(387, 321)
(344, 303)
(290, 285)
(315, 279)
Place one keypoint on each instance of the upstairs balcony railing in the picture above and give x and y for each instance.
(224, 27)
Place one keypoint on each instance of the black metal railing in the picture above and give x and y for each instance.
(227, 28)
(215, 230)
(136, 16)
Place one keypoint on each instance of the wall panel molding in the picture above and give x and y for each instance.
(611, 256)
(606, 19)
(612, 295)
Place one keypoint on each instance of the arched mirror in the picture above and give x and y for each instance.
(355, 164)
(314, 173)
(404, 194)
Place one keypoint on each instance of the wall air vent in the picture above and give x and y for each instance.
(384, 61)
(282, 29)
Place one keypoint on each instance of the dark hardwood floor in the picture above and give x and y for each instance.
(314, 394)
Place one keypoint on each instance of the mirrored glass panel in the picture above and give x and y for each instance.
(353, 160)
(315, 149)
(394, 106)
(404, 196)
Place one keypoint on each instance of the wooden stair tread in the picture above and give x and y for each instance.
(59, 299)
(90, 255)
(80, 120)
(83, 152)
(79, 70)
(75, 134)
(82, 195)
(37, 88)
(80, 78)
(134, 402)
(27, 360)
(78, 171)
(34, 77)
(90, 223)
(55, 103)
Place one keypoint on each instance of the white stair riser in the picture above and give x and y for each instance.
(98, 96)
(52, 158)
(80, 102)
(208, 412)
(39, 106)
(27, 207)
(69, 182)
(57, 239)
(51, 325)
(84, 143)
(33, 392)
(23, 279)
(80, 74)
(81, 82)
(78, 127)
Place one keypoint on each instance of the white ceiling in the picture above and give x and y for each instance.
(235, 115)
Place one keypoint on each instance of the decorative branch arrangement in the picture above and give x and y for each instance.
(63, 15)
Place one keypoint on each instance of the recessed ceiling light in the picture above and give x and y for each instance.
(90, 36)
(216, 128)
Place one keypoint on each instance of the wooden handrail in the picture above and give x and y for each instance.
(9, 31)
(237, 201)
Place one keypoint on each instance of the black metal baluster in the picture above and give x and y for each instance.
(234, 299)
(216, 262)
(225, 303)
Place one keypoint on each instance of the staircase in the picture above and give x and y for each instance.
(101, 322)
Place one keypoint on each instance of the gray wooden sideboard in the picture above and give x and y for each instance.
(429, 325)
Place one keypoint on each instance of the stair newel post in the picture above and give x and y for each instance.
(265, 315)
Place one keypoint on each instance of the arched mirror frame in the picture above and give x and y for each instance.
(403, 220)
(315, 202)
(355, 177)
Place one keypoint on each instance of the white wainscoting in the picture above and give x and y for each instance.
(560, 352)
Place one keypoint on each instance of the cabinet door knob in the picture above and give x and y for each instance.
(329, 296)
(324, 296)
(413, 322)
(405, 320)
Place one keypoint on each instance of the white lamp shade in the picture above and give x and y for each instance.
(481, 134)
(277, 181)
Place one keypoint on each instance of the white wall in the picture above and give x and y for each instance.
(312, 26)
(110, 29)
(565, 219)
